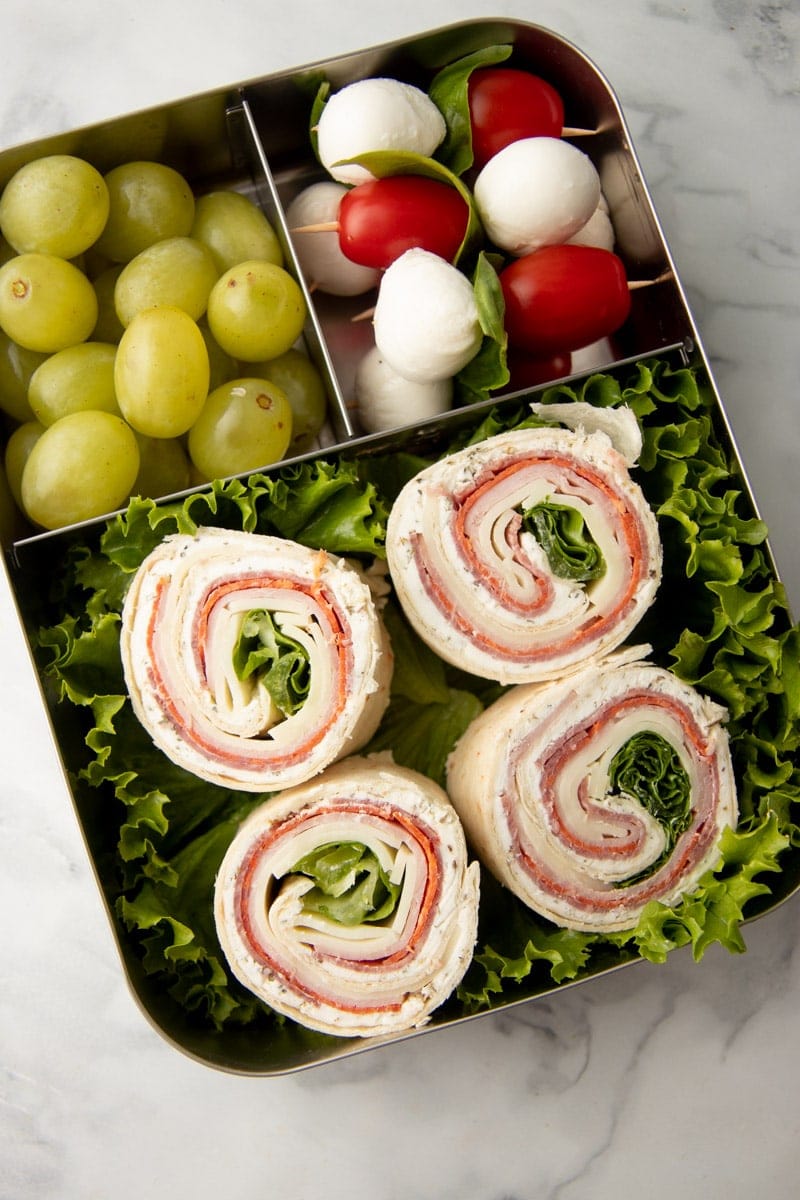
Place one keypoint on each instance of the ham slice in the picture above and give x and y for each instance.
(474, 578)
(181, 623)
(367, 978)
(532, 779)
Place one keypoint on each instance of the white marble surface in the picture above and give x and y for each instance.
(653, 1082)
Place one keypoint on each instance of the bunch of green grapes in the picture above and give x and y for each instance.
(148, 339)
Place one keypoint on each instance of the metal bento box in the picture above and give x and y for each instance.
(727, 635)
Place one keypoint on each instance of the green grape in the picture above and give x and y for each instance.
(18, 449)
(256, 310)
(245, 424)
(295, 374)
(46, 303)
(179, 271)
(108, 327)
(16, 368)
(148, 201)
(221, 366)
(163, 467)
(161, 372)
(82, 467)
(54, 205)
(73, 380)
(235, 230)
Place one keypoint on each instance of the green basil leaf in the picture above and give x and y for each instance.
(449, 92)
(319, 102)
(488, 370)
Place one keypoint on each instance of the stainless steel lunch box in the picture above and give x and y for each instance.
(254, 136)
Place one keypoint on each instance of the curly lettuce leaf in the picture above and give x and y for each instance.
(563, 952)
(649, 769)
(318, 503)
(173, 923)
(715, 909)
(277, 661)
(518, 952)
(350, 885)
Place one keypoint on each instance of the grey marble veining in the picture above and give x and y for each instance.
(654, 1081)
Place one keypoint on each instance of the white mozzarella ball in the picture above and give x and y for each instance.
(320, 257)
(598, 231)
(536, 192)
(387, 400)
(426, 317)
(376, 114)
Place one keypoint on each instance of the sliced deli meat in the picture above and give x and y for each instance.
(591, 796)
(531, 553)
(252, 661)
(348, 904)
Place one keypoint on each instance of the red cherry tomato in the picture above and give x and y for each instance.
(506, 105)
(529, 370)
(563, 297)
(380, 219)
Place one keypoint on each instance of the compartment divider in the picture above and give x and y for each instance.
(247, 143)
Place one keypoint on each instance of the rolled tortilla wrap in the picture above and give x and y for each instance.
(252, 661)
(316, 954)
(528, 554)
(593, 795)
